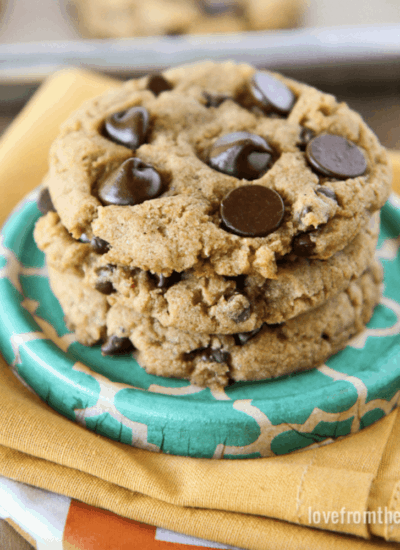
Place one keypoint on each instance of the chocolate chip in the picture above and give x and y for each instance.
(208, 354)
(128, 128)
(165, 282)
(215, 100)
(84, 239)
(219, 7)
(243, 315)
(327, 192)
(242, 155)
(100, 246)
(158, 84)
(105, 287)
(335, 156)
(44, 202)
(217, 355)
(271, 94)
(133, 183)
(114, 345)
(242, 338)
(303, 246)
(252, 211)
(306, 135)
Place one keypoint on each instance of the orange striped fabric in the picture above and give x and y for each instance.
(89, 528)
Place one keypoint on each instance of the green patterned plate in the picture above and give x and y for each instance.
(116, 398)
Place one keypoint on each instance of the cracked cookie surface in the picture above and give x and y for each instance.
(181, 228)
(214, 359)
(202, 301)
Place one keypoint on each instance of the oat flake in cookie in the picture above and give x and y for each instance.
(176, 225)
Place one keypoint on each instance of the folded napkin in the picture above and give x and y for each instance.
(256, 503)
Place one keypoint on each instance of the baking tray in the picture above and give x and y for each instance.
(360, 65)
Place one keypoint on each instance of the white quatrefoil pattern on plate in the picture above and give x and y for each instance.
(118, 399)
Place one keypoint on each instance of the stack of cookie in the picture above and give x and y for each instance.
(219, 221)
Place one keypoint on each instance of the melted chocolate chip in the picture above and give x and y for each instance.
(165, 282)
(303, 246)
(243, 315)
(242, 155)
(103, 285)
(114, 345)
(270, 94)
(133, 183)
(44, 202)
(306, 135)
(215, 100)
(217, 355)
(100, 246)
(242, 338)
(158, 84)
(336, 157)
(327, 192)
(252, 211)
(220, 7)
(128, 128)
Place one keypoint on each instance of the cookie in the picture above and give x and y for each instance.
(299, 344)
(127, 18)
(201, 301)
(216, 168)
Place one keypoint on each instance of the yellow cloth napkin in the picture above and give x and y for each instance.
(257, 504)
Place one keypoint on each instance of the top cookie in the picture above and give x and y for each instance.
(216, 165)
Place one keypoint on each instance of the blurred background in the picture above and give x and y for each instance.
(350, 48)
(35, 20)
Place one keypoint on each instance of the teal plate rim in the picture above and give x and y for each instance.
(116, 398)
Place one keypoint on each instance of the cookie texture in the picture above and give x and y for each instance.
(126, 18)
(214, 360)
(200, 300)
(183, 172)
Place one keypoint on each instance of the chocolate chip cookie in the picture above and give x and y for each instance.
(221, 221)
(200, 300)
(126, 18)
(216, 168)
(214, 359)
